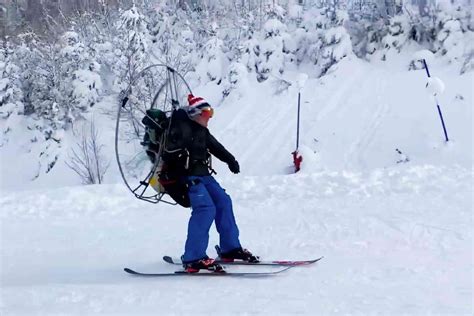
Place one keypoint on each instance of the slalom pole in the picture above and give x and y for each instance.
(297, 159)
(437, 104)
(298, 122)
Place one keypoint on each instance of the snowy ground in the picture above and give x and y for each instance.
(396, 242)
(396, 237)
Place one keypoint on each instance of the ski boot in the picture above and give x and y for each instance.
(238, 254)
(203, 264)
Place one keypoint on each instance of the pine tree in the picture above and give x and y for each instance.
(48, 101)
(81, 82)
(11, 95)
(336, 42)
(270, 59)
(454, 35)
(131, 46)
(213, 60)
(398, 33)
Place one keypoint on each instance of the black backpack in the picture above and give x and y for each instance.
(167, 176)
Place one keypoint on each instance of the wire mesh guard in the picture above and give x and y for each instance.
(155, 87)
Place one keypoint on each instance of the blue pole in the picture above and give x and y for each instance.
(442, 123)
(426, 68)
(437, 105)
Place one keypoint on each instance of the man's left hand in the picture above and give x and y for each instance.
(234, 166)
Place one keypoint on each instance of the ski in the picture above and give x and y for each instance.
(284, 263)
(207, 273)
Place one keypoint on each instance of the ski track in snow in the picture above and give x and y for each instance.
(395, 242)
(339, 98)
(359, 148)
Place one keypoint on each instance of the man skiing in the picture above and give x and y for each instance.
(190, 144)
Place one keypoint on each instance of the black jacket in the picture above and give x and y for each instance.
(190, 145)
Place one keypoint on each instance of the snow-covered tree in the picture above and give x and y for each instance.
(41, 69)
(173, 39)
(213, 60)
(270, 58)
(375, 32)
(454, 36)
(11, 94)
(87, 86)
(311, 44)
(336, 41)
(450, 40)
(237, 77)
(131, 46)
(80, 82)
(398, 34)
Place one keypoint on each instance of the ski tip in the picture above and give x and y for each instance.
(168, 259)
(316, 260)
(129, 271)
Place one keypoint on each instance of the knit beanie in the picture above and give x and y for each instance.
(195, 104)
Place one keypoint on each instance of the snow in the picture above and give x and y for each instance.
(274, 27)
(395, 242)
(295, 11)
(380, 195)
(424, 54)
(435, 86)
(301, 80)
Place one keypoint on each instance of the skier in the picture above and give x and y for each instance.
(190, 144)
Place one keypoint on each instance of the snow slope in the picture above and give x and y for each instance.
(354, 118)
(397, 237)
(396, 242)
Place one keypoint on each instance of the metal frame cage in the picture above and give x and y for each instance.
(155, 87)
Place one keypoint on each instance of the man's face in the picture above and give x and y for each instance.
(202, 119)
(204, 116)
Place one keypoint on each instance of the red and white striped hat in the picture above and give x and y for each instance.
(196, 101)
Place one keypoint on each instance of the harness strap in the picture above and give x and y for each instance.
(193, 182)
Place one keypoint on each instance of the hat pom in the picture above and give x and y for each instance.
(190, 98)
(195, 101)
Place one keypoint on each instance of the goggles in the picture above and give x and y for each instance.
(207, 111)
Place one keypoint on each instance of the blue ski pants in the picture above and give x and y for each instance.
(209, 203)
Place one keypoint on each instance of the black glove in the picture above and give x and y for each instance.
(234, 166)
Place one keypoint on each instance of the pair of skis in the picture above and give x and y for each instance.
(283, 265)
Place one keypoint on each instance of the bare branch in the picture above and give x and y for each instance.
(87, 161)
